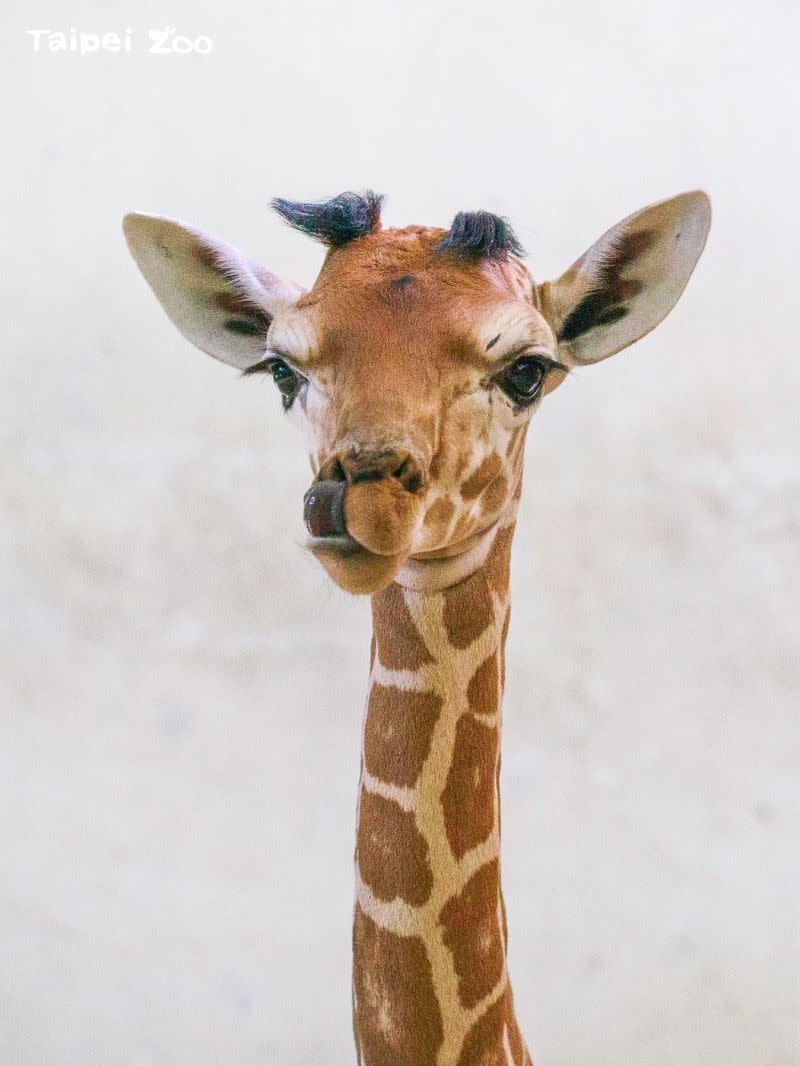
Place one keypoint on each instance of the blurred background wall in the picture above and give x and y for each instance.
(182, 687)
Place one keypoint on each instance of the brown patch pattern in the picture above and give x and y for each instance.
(467, 610)
(503, 648)
(440, 514)
(400, 646)
(503, 920)
(483, 1045)
(397, 733)
(486, 473)
(463, 462)
(498, 565)
(392, 853)
(495, 495)
(471, 932)
(396, 1019)
(468, 795)
(482, 689)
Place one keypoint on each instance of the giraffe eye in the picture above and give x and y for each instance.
(522, 381)
(287, 381)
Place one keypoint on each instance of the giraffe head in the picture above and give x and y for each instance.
(415, 362)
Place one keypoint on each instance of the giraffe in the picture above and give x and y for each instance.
(413, 366)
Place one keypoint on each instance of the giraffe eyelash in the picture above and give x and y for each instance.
(265, 365)
(547, 361)
(262, 367)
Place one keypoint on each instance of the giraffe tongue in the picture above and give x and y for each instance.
(323, 509)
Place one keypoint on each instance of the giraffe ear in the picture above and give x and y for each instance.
(218, 299)
(629, 280)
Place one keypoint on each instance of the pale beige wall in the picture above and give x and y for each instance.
(181, 688)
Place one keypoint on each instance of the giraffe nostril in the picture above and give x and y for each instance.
(332, 470)
(323, 509)
(409, 474)
(360, 465)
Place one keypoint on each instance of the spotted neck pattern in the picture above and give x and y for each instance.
(430, 984)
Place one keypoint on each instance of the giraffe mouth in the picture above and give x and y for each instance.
(323, 514)
(353, 567)
(378, 513)
(339, 545)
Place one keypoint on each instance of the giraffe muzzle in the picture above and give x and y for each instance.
(379, 516)
(351, 564)
(363, 514)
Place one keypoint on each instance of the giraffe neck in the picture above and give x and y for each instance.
(430, 984)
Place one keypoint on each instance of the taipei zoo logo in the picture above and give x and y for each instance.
(164, 42)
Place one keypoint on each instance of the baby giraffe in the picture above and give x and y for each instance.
(413, 366)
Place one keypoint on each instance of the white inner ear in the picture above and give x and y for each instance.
(219, 300)
(629, 280)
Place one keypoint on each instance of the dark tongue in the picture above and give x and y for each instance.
(323, 509)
